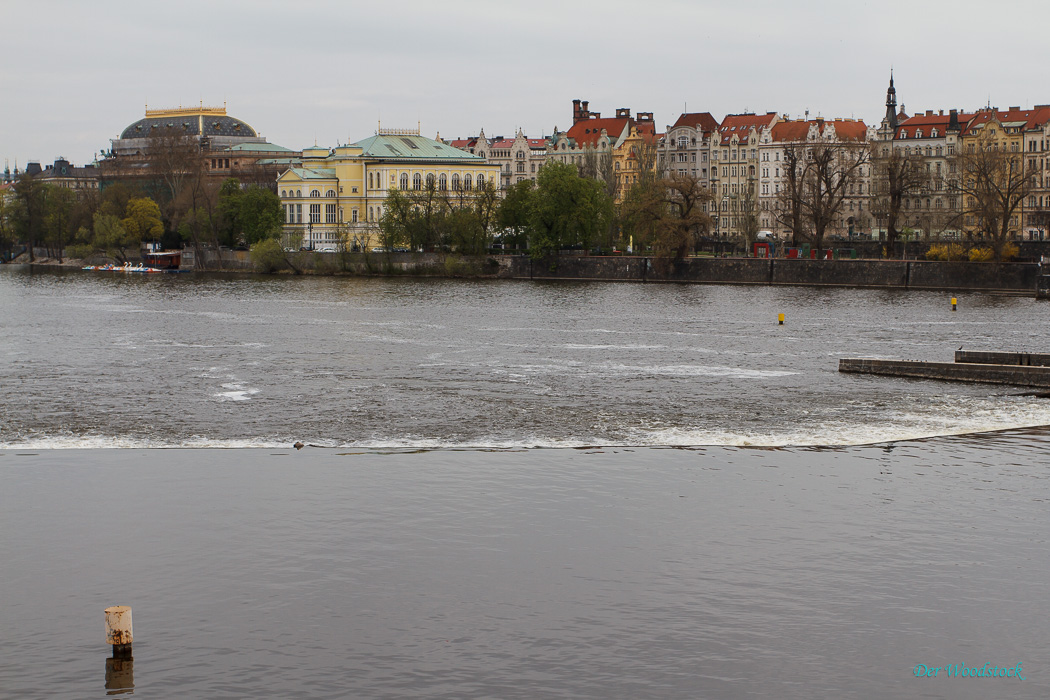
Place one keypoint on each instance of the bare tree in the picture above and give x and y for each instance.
(787, 206)
(825, 174)
(748, 211)
(172, 156)
(895, 178)
(992, 184)
(668, 214)
(599, 165)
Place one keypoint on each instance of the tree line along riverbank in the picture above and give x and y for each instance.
(1013, 278)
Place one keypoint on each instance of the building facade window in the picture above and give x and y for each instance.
(315, 213)
(329, 213)
(417, 182)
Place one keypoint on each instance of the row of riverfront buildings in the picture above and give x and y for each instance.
(328, 194)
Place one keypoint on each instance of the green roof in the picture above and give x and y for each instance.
(279, 161)
(264, 147)
(311, 174)
(412, 147)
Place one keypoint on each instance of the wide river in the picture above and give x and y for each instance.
(513, 490)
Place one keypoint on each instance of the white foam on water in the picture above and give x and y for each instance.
(580, 346)
(236, 392)
(695, 371)
(937, 419)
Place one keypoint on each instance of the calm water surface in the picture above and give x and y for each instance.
(518, 491)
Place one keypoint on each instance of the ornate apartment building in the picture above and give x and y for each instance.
(519, 158)
(734, 170)
(686, 146)
(852, 136)
(592, 136)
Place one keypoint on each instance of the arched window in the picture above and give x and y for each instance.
(370, 186)
(455, 182)
(466, 181)
(371, 216)
(298, 193)
(417, 182)
(430, 180)
(404, 181)
(918, 133)
(443, 182)
(329, 193)
(283, 193)
(481, 181)
(315, 193)
(481, 154)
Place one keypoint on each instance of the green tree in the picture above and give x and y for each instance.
(59, 203)
(29, 211)
(142, 219)
(248, 215)
(113, 238)
(515, 213)
(569, 210)
(7, 224)
(267, 255)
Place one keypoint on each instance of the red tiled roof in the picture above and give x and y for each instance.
(702, 120)
(1033, 118)
(538, 143)
(928, 123)
(463, 143)
(742, 125)
(850, 130)
(586, 132)
(798, 130)
(503, 143)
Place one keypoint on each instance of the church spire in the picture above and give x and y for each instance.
(891, 105)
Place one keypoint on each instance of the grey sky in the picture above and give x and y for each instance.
(76, 73)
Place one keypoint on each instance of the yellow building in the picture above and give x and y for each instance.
(636, 156)
(337, 197)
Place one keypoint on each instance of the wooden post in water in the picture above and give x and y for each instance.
(118, 630)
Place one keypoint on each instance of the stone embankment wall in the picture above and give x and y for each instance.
(900, 274)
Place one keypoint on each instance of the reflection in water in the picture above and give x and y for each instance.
(120, 673)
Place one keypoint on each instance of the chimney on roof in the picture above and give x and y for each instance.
(594, 115)
(645, 116)
(585, 113)
(953, 120)
(929, 113)
(940, 112)
(577, 112)
(1015, 108)
(623, 113)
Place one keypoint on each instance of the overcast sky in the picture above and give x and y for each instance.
(74, 74)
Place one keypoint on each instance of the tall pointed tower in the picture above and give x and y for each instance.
(889, 122)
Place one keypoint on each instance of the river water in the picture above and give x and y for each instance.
(512, 490)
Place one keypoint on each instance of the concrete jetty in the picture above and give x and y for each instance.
(1027, 359)
(1015, 373)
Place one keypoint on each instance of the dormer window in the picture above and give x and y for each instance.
(933, 133)
(918, 133)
